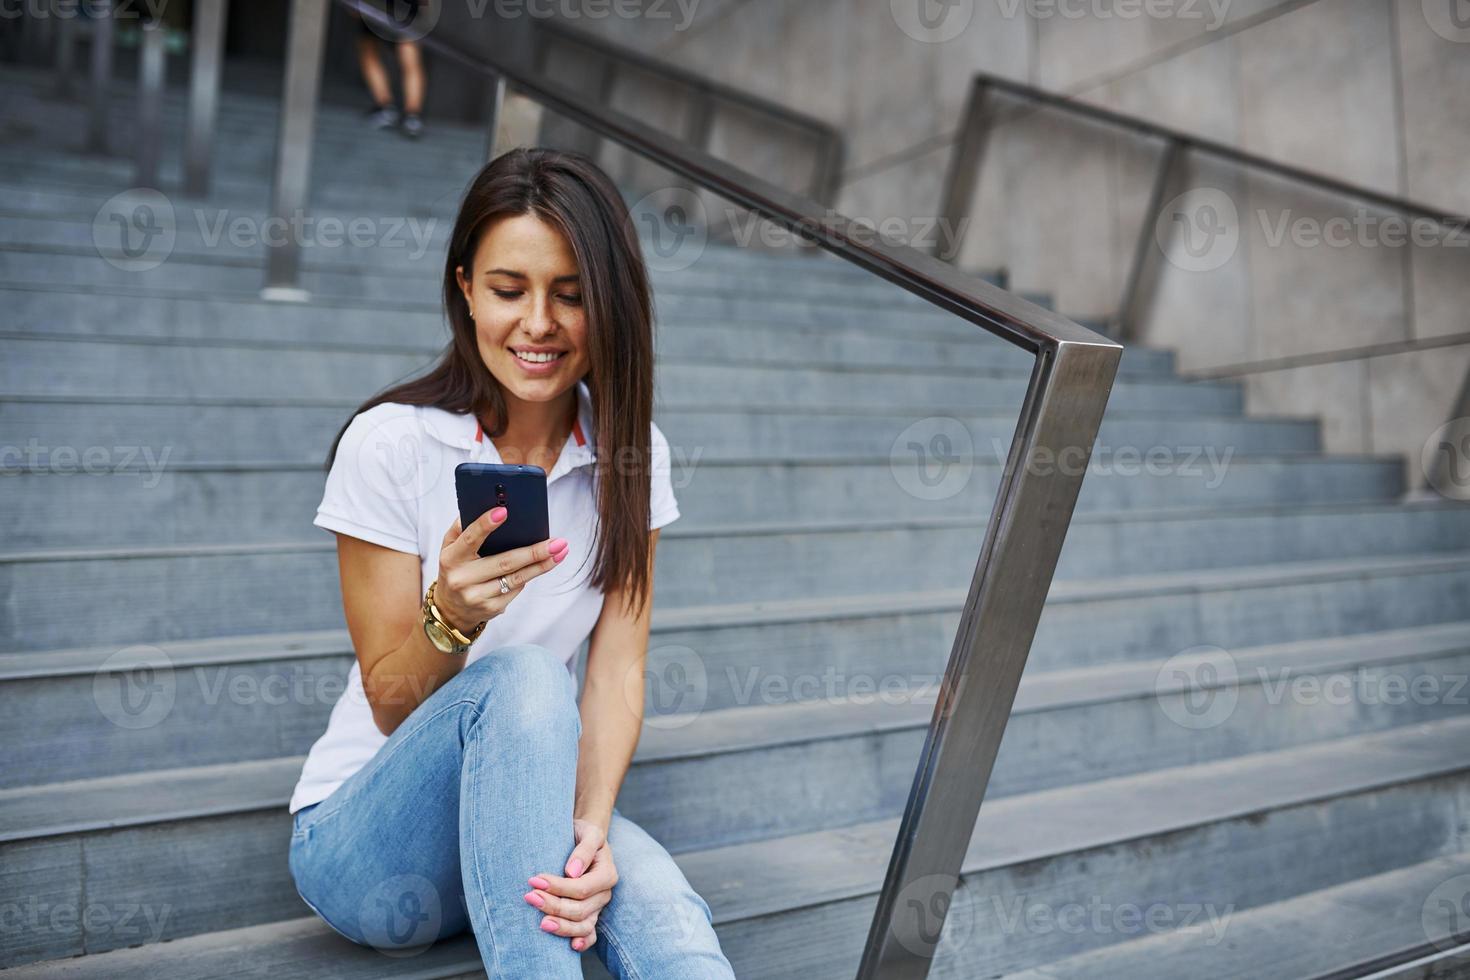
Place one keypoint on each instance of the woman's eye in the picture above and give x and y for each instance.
(506, 294)
(576, 300)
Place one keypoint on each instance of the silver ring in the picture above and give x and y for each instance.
(504, 585)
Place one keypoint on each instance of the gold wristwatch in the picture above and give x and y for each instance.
(446, 638)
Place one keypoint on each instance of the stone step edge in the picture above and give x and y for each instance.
(245, 648)
(976, 523)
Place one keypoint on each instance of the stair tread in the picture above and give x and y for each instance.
(1147, 516)
(260, 646)
(1340, 928)
(160, 795)
(780, 875)
(979, 373)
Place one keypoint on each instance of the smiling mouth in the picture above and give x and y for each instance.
(531, 357)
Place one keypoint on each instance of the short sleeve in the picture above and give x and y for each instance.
(373, 487)
(663, 508)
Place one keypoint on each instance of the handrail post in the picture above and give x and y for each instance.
(497, 108)
(964, 165)
(101, 79)
(1123, 321)
(66, 57)
(205, 64)
(151, 64)
(1064, 407)
(292, 182)
(827, 175)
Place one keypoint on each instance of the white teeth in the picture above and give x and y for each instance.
(536, 358)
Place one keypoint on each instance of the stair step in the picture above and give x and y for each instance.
(258, 698)
(186, 502)
(259, 431)
(94, 368)
(137, 315)
(293, 583)
(1340, 932)
(219, 246)
(1309, 817)
(677, 297)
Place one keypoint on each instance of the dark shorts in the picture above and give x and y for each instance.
(404, 15)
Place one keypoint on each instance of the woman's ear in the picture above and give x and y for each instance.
(464, 287)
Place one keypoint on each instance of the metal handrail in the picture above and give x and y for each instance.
(826, 174)
(979, 117)
(1071, 378)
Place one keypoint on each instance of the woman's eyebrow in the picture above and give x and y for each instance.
(521, 275)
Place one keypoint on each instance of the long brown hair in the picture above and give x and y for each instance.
(572, 194)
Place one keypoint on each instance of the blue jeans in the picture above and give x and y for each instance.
(470, 796)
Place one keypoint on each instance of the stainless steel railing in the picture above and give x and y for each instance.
(983, 113)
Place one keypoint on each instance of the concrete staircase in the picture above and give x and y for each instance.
(1243, 725)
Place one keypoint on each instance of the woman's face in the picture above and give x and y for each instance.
(525, 296)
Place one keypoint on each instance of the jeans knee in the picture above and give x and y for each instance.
(523, 686)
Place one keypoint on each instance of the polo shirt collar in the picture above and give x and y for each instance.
(464, 431)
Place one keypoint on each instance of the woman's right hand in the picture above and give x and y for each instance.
(468, 590)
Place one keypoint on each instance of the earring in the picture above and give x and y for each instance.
(471, 309)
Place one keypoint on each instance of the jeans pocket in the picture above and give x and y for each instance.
(301, 822)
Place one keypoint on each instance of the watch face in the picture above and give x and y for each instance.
(437, 635)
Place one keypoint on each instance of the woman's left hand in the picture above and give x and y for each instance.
(572, 903)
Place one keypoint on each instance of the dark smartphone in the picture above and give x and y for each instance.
(521, 490)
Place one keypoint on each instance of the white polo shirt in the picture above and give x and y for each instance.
(392, 483)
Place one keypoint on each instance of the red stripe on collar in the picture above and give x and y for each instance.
(576, 431)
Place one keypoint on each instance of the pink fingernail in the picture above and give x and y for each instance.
(557, 544)
(577, 944)
(540, 882)
(549, 924)
(498, 514)
(574, 867)
(559, 557)
(535, 899)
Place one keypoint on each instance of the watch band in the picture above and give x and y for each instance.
(441, 632)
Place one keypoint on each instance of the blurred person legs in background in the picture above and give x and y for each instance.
(385, 114)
